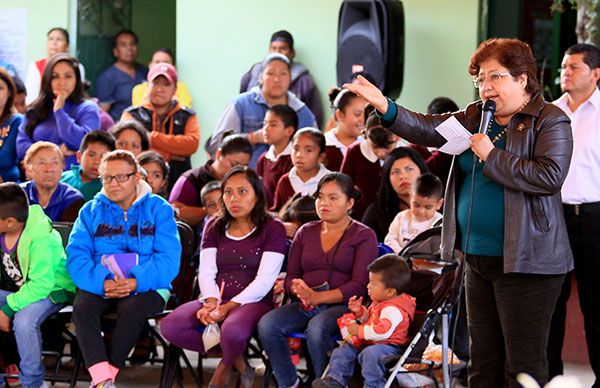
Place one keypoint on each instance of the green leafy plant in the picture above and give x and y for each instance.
(588, 12)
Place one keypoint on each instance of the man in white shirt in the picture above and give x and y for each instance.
(580, 72)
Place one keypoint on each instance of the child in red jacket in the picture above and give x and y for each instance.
(383, 327)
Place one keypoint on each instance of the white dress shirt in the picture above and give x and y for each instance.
(583, 179)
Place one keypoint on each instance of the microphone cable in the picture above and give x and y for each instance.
(489, 106)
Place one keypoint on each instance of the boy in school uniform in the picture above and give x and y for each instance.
(34, 283)
(281, 122)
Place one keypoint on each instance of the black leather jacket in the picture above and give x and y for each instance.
(532, 169)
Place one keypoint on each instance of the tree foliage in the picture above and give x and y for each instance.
(587, 18)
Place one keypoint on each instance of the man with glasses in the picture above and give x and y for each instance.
(580, 72)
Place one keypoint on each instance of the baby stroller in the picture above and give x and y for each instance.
(436, 285)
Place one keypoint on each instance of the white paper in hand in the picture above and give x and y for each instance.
(458, 137)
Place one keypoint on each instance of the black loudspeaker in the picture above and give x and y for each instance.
(371, 40)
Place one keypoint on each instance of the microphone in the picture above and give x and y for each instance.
(487, 115)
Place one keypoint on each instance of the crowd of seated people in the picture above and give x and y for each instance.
(276, 189)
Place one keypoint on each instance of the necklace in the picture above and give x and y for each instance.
(499, 135)
(505, 129)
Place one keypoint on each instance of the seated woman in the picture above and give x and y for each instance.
(44, 164)
(243, 248)
(125, 218)
(60, 114)
(10, 120)
(327, 265)
(401, 168)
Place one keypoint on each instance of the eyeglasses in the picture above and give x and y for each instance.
(120, 178)
(493, 77)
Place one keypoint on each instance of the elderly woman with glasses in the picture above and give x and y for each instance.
(502, 208)
(125, 218)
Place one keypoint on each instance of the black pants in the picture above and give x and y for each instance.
(132, 313)
(584, 236)
(509, 320)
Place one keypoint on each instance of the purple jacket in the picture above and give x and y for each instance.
(67, 125)
(63, 197)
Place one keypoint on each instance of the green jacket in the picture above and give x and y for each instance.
(42, 260)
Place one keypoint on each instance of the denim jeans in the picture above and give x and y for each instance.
(321, 330)
(26, 326)
(371, 359)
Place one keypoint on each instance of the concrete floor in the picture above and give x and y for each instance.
(149, 375)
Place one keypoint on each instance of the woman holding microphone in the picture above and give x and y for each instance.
(518, 249)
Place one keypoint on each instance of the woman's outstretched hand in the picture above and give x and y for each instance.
(369, 92)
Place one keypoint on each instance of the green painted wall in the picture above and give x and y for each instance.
(42, 15)
(218, 41)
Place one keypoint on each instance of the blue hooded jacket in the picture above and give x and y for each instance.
(147, 228)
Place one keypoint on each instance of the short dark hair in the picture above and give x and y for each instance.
(381, 137)
(234, 143)
(394, 271)
(345, 183)
(441, 105)
(13, 202)
(286, 114)
(97, 136)
(591, 54)
(340, 98)
(316, 135)
(121, 126)
(259, 214)
(429, 186)
(283, 36)
(164, 50)
(299, 208)
(154, 157)
(19, 85)
(209, 188)
(64, 32)
(125, 31)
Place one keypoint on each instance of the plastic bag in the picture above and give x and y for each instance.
(211, 336)
(343, 323)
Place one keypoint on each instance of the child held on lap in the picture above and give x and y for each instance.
(34, 282)
(426, 200)
(383, 328)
